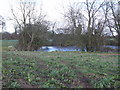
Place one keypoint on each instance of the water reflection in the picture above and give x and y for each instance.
(58, 48)
(110, 46)
(68, 48)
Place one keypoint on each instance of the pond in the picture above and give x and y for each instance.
(67, 48)
(58, 48)
(111, 46)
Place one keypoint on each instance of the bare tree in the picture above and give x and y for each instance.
(2, 22)
(93, 10)
(25, 16)
(116, 16)
(89, 20)
(114, 20)
(74, 17)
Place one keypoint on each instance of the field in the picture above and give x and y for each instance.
(59, 69)
(32, 69)
(6, 43)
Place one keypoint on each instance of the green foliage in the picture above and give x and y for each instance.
(12, 84)
(105, 82)
(53, 83)
(33, 36)
(60, 69)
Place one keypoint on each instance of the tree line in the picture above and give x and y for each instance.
(85, 26)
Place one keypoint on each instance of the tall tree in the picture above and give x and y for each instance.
(74, 18)
(85, 23)
(114, 21)
(2, 22)
(26, 17)
(93, 9)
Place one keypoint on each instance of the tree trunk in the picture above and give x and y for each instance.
(30, 44)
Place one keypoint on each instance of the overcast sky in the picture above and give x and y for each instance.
(53, 9)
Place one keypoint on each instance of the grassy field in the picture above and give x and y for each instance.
(6, 43)
(25, 69)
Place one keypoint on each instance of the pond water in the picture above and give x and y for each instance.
(110, 46)
(68, 48)
(58, 48)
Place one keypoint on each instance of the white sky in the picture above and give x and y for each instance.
(53, 9)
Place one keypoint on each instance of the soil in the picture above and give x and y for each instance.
(81, 79)
(25, 84)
